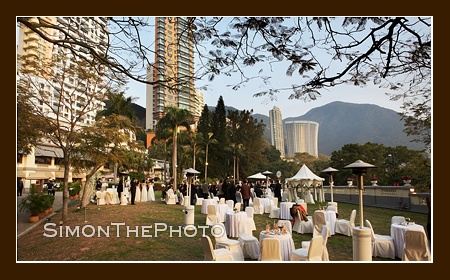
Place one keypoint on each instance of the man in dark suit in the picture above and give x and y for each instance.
(133, 186)
(120, 187)
(277, 190)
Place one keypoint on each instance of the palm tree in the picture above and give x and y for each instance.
(236, 150)
(173, 120)
(208, 140)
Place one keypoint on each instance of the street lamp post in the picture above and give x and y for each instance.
(362, 239)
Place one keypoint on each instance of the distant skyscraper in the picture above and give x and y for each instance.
(173, 70)
(276, 129)
(302, 137)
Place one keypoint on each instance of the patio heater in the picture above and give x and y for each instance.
(362, 239)
(330, 171)
(188, 208)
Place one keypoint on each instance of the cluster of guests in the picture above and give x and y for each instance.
(140, 191)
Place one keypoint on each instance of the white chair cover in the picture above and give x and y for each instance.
(382, 245)
(100, 197)
(238, 206)
(345, 227)
(211, 254)
(222, 200)
(257, 206)
(302, 226)
(230, 204)
(274, 209)
(171, 198)
(198, 200)
(271, 250)
(416, 246)
(211, 215)
(250, 212)
(319, 220)
(222, 241)
(398, 219)
(324, 234)
(249, 244)
(313, 253)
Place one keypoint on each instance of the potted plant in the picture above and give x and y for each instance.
(34, 203)
(350, 182)
(374, 181)
(406, 180)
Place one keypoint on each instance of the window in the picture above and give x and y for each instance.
(43, 160)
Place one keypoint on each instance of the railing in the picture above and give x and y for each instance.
(393, 197)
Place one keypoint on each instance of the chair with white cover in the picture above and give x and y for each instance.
(249, 244)
(271, 250)
(250, 213)
(332, 208)
(181, 198)
(230, 204)
(198, 200)
(313, 253)
(398, 219)
(222, 241)
(301, 226)
(333, 205)
(345, 227)
(171, 198)
(382, 245)
(259, 209)
(416, 246)
(211, 254)
(274, 209)
(286, 224)
(222, 200)
(324, 234)
(100, 197)
(211, 215)
(319, 220)
(238, 206)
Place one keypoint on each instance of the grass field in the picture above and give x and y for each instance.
(126, 242)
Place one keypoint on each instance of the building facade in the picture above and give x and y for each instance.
(172, 72)
(302, 137)
(65, 95)
(276, 130)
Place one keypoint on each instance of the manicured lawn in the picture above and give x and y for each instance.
(131, 242)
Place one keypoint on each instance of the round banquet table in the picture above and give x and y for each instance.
(398, 234)
(232, 221)
(205, 204)
(285, 213)
(286, 243)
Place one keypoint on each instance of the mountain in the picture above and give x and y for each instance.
(342, 123)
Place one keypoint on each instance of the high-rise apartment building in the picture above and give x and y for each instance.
(276, 129)
(302, 137)
(63, 96)
(173, 71)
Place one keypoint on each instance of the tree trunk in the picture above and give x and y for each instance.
(174, 159)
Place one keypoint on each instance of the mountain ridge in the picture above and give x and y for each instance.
(343, 123)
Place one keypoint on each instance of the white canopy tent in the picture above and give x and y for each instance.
(258, 176)
(306, 178)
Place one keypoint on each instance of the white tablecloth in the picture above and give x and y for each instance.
(285, 209)
(232, 222)
(398, 234)
(286, 243)
(221, 210)
(264, 203)
(205, 204)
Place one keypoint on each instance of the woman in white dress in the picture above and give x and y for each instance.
(151, 192)
(144, 191)
(138, 193)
